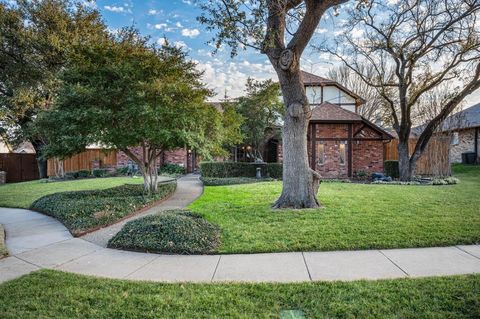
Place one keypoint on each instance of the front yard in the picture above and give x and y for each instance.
(52, 294)
(354, 216)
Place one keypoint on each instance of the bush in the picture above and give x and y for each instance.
(239, 169)
(121, 170)
(172, 169)
(275, 170)
(214, 181)
(81, 211)
(391, 169)
(178, 232)
(445, 181)
(99, 172)
(71, 175)
(84, 173)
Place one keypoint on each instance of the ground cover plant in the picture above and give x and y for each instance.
(52, 294)
(22, 195)
(81, 211)
(176, 231)
(354, 216)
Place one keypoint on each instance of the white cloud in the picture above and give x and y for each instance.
(161, 41)
(178, 25)
(160, 26)
(117, 9)
(153, 12)
(180, 45)
(191, 33)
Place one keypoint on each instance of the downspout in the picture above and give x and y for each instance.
(476, 145)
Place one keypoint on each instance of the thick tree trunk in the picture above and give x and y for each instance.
(300, 183)
(41, 162)
(405, 167)
(150, 179)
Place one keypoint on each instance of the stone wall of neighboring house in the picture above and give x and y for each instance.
(464, 143)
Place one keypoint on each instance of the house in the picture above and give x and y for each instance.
(464, 129)
(341, 143)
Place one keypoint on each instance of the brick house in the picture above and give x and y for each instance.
(341, 143)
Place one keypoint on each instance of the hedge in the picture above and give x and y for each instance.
(178, 232)
(391, 169)
(172, 169)
(81, 211)
(239, 169)
(215, 181)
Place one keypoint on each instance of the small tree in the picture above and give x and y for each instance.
(122, 93)
(280, 29)
(262, 111)
(36, 42)
(414, 46)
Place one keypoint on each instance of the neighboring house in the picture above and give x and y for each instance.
(341, 143)
(464, 129)
(23, 148)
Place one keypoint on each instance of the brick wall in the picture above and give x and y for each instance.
(367, 156)
(178, 156)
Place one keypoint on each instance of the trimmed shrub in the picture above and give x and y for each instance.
(84, 173)
(99, 172)
(172, 169)
(179, 232)
(445, 181)
(391, 169)
(81, 211)
(121, 170)
(239, 169)
(214, 181)
(275, 170)
(71, 175)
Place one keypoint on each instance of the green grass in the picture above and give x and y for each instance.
(354, 216)
(51, 294)
(22, 195)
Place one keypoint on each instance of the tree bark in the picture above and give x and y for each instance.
(41, 162)
(300, 182)
(406, 170)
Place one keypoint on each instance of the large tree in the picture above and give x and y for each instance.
(262, 111)
(280, 29)
(415, 47)
(122, 93)
(36, 42)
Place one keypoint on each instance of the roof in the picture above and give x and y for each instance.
(331, 113)
(468, 118)
(465, 119)
(310, 79)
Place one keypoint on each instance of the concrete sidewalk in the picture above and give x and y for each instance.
(37, 241)
(189, 188)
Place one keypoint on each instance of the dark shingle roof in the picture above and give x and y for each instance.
(310, 79)
(467, 118)
(331, 112)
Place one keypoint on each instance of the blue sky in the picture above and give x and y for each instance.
(176, 20)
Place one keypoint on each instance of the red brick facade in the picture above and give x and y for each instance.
(179, 156)
(333, 159)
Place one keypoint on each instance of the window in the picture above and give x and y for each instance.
(320, 155)
(455, 140)
(342, 154)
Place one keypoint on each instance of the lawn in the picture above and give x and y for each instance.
(354, 216)
(22, 195)
(52, 294)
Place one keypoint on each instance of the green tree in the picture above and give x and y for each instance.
(122, 93)
(36, 42)
(262, 111)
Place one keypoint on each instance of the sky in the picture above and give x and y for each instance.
(176, 20)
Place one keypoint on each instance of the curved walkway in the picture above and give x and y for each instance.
(188, 189)
(37, 241)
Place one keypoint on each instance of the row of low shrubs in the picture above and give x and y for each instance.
(81, 211)
(166, 169)
(178, 232)
(215, 181)
(239, 169)
(435, 181)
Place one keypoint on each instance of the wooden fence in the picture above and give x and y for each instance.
(84, 161)
(434, 161)
(19, 167)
